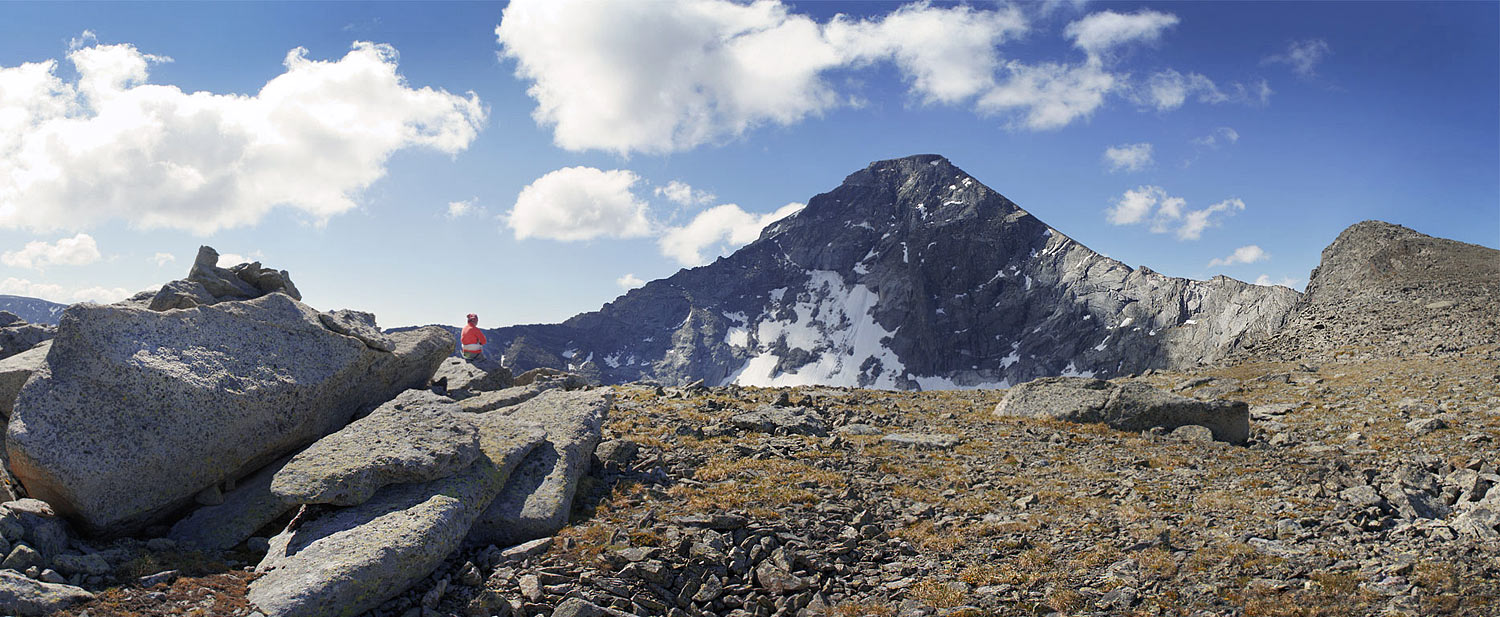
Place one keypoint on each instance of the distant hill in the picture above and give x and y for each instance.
(33, 310)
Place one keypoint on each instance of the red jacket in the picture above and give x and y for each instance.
(472, 340)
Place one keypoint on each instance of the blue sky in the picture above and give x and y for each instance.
(529, 162)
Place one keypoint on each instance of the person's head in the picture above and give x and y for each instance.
(473, 319)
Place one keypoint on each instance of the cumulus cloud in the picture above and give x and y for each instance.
(109, 145)
(1302, 56)
(580, 203)
(230, 260)
(684, 194)
(719, 229)
(1168, 214)
(1050, 95)
(629, 281)
(1128, 157)
(57, 293)
(665, 75)
(466, 207)
(1101, 32)
(79, 250)
(163, 259)
(1247, 254)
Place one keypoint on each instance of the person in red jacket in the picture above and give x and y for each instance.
(472, 339)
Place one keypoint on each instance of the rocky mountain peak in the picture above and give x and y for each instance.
(910, 274)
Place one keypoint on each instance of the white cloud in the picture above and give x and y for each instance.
(163, 259)
(1169, 89)
(466, 207)
(1302, 56)
(79, 250)
(629, 281)
(1167, 213)
(1101, 32)
(947, 55)
(57, 293)
(1247, 254)
(1136, 204)
(580, 203)
(1222, 135)
(109, 145)
(671, 75)
(1193, 223)
(722, 228)
(683, 194)
(1050, 95)
(1129, 157)
(1285, 281)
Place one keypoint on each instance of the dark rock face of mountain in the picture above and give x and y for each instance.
(1384, 290)
(911, 274)
(32, 310)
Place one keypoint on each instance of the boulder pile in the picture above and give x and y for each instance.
(204, 413)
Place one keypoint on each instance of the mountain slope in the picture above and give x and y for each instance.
(911, 274)
(32, 310)
(1383, 290)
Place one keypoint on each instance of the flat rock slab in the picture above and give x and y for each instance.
(931, 441)
(508, 397)
(15, 370)
(417, 437)
(138, 411)
(539, 495)
(858, 429)
(781, 420)
(24, 597)
(360, 325)
(1129, 406)
(247, 508)
(463, 379)
(353, 559)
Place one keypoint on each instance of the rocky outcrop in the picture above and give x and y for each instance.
(537, 498)
(1128, 406)
(417, 437)
(1386, 291)
(240, 282)
(352, 559)
(17, 336)
(173, 403)
(910, 275)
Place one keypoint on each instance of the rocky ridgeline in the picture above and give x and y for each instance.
(220, 415)
(910, 275)
(1383, 290)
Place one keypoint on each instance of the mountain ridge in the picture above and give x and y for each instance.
(911, 274)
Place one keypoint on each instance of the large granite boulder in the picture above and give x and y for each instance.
(138, 410)
(1129, 406)
(537, 499)
(417, 437)
(350, 560)
(509, 397)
